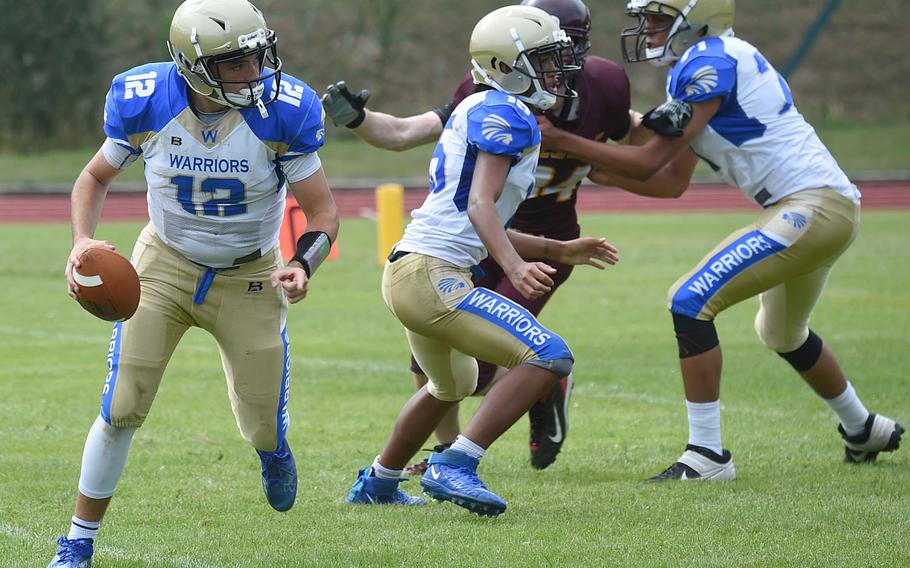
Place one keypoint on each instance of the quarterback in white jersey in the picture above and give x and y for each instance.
(728, 106)
(223, 134)
(482, 169)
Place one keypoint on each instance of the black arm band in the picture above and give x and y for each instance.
(312, 248)
(444, 112)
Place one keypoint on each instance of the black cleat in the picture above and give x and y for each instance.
(550, 423)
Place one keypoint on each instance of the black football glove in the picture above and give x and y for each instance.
(668, 119)
(343, 107)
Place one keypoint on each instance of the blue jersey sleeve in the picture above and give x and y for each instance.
(704, 77)
(311, 134)
(113, 123)
(140, 102)
(503, 127)
(296, 118)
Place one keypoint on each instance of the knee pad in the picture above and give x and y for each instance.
(806, 356)
(694, 336)
(561, 367)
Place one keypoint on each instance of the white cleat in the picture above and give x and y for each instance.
(881, 434)
(700, 463)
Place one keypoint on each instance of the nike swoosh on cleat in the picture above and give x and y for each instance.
(685, 476)
(558, 437)
(434, 472)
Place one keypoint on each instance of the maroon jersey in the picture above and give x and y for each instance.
(603, 112)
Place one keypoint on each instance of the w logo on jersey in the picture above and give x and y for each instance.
(496, 128)
(798, 220)
(449, 285)
(703, 81)
(209, 136)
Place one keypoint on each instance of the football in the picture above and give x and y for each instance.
(108, 284)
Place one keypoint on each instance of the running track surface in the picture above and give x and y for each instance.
(55, 208)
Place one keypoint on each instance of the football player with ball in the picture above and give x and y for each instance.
(224, 133)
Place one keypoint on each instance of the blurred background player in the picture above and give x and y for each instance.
(599, 111)
(482, 168)
(730, 107)
(209, 256)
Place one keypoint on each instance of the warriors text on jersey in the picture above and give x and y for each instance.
(216, 192)
(602, 112)
(488, 121)
(757, 141)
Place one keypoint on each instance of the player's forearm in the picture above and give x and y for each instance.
(628, 161)
(86, 202)
(325, 220)
(532, 246)
(394, 133)
(490, 229)
(670, 182)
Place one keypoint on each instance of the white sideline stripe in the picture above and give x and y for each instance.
(87, 281)
(20, 533)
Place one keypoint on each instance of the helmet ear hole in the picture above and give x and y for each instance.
(504, 68)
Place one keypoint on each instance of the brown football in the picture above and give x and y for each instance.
(108, 284)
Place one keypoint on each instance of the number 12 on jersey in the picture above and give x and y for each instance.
(206, 200)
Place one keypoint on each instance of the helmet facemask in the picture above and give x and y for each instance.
(581, 42)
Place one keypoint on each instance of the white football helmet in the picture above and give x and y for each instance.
(690, 22)
(515, 49)
(207, 32)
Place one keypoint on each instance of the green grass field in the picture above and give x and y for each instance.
(858, 148)
(191, 493)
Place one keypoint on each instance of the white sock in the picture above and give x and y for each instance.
(849, 408)
(704, 425)
(80, 528)
(383, 472)
(465, 445)
(104, 458)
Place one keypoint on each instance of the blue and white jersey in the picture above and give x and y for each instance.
(216, 192)
(757, 141)
(492, 122)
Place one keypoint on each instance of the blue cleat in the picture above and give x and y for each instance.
(452, 476)
(374, 491)
(279, 477)
(76, 553)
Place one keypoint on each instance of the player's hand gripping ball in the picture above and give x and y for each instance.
(108, 284)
